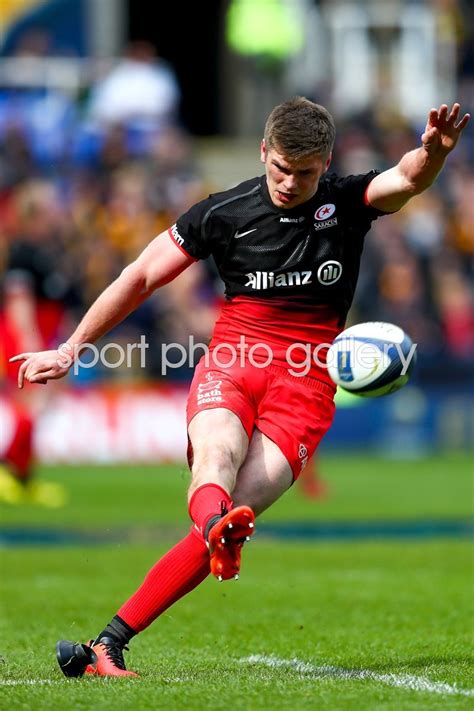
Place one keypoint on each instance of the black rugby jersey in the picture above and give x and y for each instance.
(310, 251)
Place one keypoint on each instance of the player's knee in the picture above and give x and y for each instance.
(216, 457)
(214, 465)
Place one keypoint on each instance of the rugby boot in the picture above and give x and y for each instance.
(226, 539)
(74, 657)
(109, 659)
(102, 658)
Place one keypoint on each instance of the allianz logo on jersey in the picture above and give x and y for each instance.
(328, 273)
(268, 280)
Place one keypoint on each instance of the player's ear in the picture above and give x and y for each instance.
(263, 151)
(328, 162)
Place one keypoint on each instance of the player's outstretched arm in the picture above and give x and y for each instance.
(159, 263)
(418, 169)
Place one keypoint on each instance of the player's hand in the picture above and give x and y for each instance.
(442, 129)
(42, 366)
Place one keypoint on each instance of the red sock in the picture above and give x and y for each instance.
(208, 501)
(177, 573)
(19, 454)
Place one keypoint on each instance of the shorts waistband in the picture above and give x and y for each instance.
(313, 383)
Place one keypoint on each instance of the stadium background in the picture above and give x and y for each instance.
(104, 175)
(361, 598)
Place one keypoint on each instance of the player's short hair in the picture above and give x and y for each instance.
(299, 128)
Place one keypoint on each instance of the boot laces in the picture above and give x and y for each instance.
(114, 652)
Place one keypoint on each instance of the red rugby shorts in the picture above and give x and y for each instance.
(294, 412)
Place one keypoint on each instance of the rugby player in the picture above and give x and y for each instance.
(287, 246)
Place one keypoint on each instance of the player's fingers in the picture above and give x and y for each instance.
(454, 113)
(31, 371)
(432, 118)
(20, 356)
(43, 376)
(21, 374)
(429, 135)
(443, 112)
(463, 122)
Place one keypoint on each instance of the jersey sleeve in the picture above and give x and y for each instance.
(353, 189)
(188, 232)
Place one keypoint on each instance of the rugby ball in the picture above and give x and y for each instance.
(371, 359)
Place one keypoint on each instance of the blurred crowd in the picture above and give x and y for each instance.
(83, 189)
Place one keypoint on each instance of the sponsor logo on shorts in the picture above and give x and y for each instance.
(268, 280)
(210, 385)
(176, 236)
(303, 455)
(209, 391)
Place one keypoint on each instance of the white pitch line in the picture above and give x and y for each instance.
(401, 681)
(24, 682)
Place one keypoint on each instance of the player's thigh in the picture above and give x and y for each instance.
(296, 416)
(219, 445)
(264, 476)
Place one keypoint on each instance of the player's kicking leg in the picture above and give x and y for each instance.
(263, 477)
(219, 445)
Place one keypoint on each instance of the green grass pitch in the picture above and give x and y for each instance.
(356, 624)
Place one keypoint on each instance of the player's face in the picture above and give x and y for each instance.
(292, 182)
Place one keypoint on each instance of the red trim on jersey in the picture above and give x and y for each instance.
(366, 199)
(278, 324)
(179, 246)
(369, 204)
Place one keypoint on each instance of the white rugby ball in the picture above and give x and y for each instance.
(371, 359)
